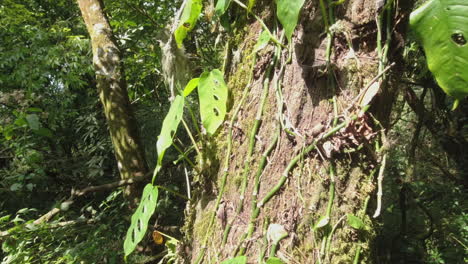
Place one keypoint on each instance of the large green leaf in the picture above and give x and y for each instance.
(442, 26)
(140, 218)
(288, 14)
(169, 129)
(188, 20)
(213, 94)
(236, 260)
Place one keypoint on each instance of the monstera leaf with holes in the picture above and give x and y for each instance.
(442, 26)
(140, 218)
(213, 94)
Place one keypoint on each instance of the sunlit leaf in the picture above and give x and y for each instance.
(188, 20)
(250, 5)
(274, 260)
(236, 260)
(191, 85)
(323, 221)
(213, 94)
(442, 26)
(262, 41)
(221, 7)
(169, 129)
(355, 222)
(288, 14)
(140, 218)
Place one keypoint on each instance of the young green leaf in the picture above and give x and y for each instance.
(274, 260)
(236, 260)
(262, 41)
(169, 129)
(323, 221)
(221, 7)
(288, 14)
(140, 218)
(191, 85)
(213, 94)
(188, 20)
(250, 5)
(33, 121)
(355, 222)
(443, 29)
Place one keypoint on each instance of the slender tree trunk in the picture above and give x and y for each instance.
(113, 93)
(324, 166)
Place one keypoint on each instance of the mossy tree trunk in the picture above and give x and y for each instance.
(324, 165)
(112, 90)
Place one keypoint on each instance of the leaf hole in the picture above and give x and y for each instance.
(172, 133)
(459, 39)
(216, 111)
(215, 97)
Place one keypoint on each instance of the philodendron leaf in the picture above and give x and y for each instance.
(288, 14)
(213, 94)
(188, 20)
(236, 260)
(355, 222)
(221, 7)
(274, 260)
(169, 129)
(442, 26)
(191, 85)
(140, 218)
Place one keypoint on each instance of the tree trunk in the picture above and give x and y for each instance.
(322, 169)
(112, 90)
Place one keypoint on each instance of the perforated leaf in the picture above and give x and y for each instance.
(236, 260)
(140, 218)
(168, 130)
(188, 20)
(221, 7)
(191, 85)
(442, 26)
(288, 14)
(213, 94)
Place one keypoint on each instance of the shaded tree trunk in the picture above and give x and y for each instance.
(112, 90)
(324, 165)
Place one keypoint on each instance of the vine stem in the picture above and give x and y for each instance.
(233, 119)
(379, 186)
(252, 140)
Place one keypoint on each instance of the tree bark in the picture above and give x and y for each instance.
(112, 90)
(324, 165)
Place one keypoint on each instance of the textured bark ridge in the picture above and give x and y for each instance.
(321, 169)
(113, 93)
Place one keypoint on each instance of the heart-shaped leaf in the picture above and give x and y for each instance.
(213, 94)
(188, 20)
(288, 14)
(442, 26)
(140, 218)
(236, 260)
(168, 130)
